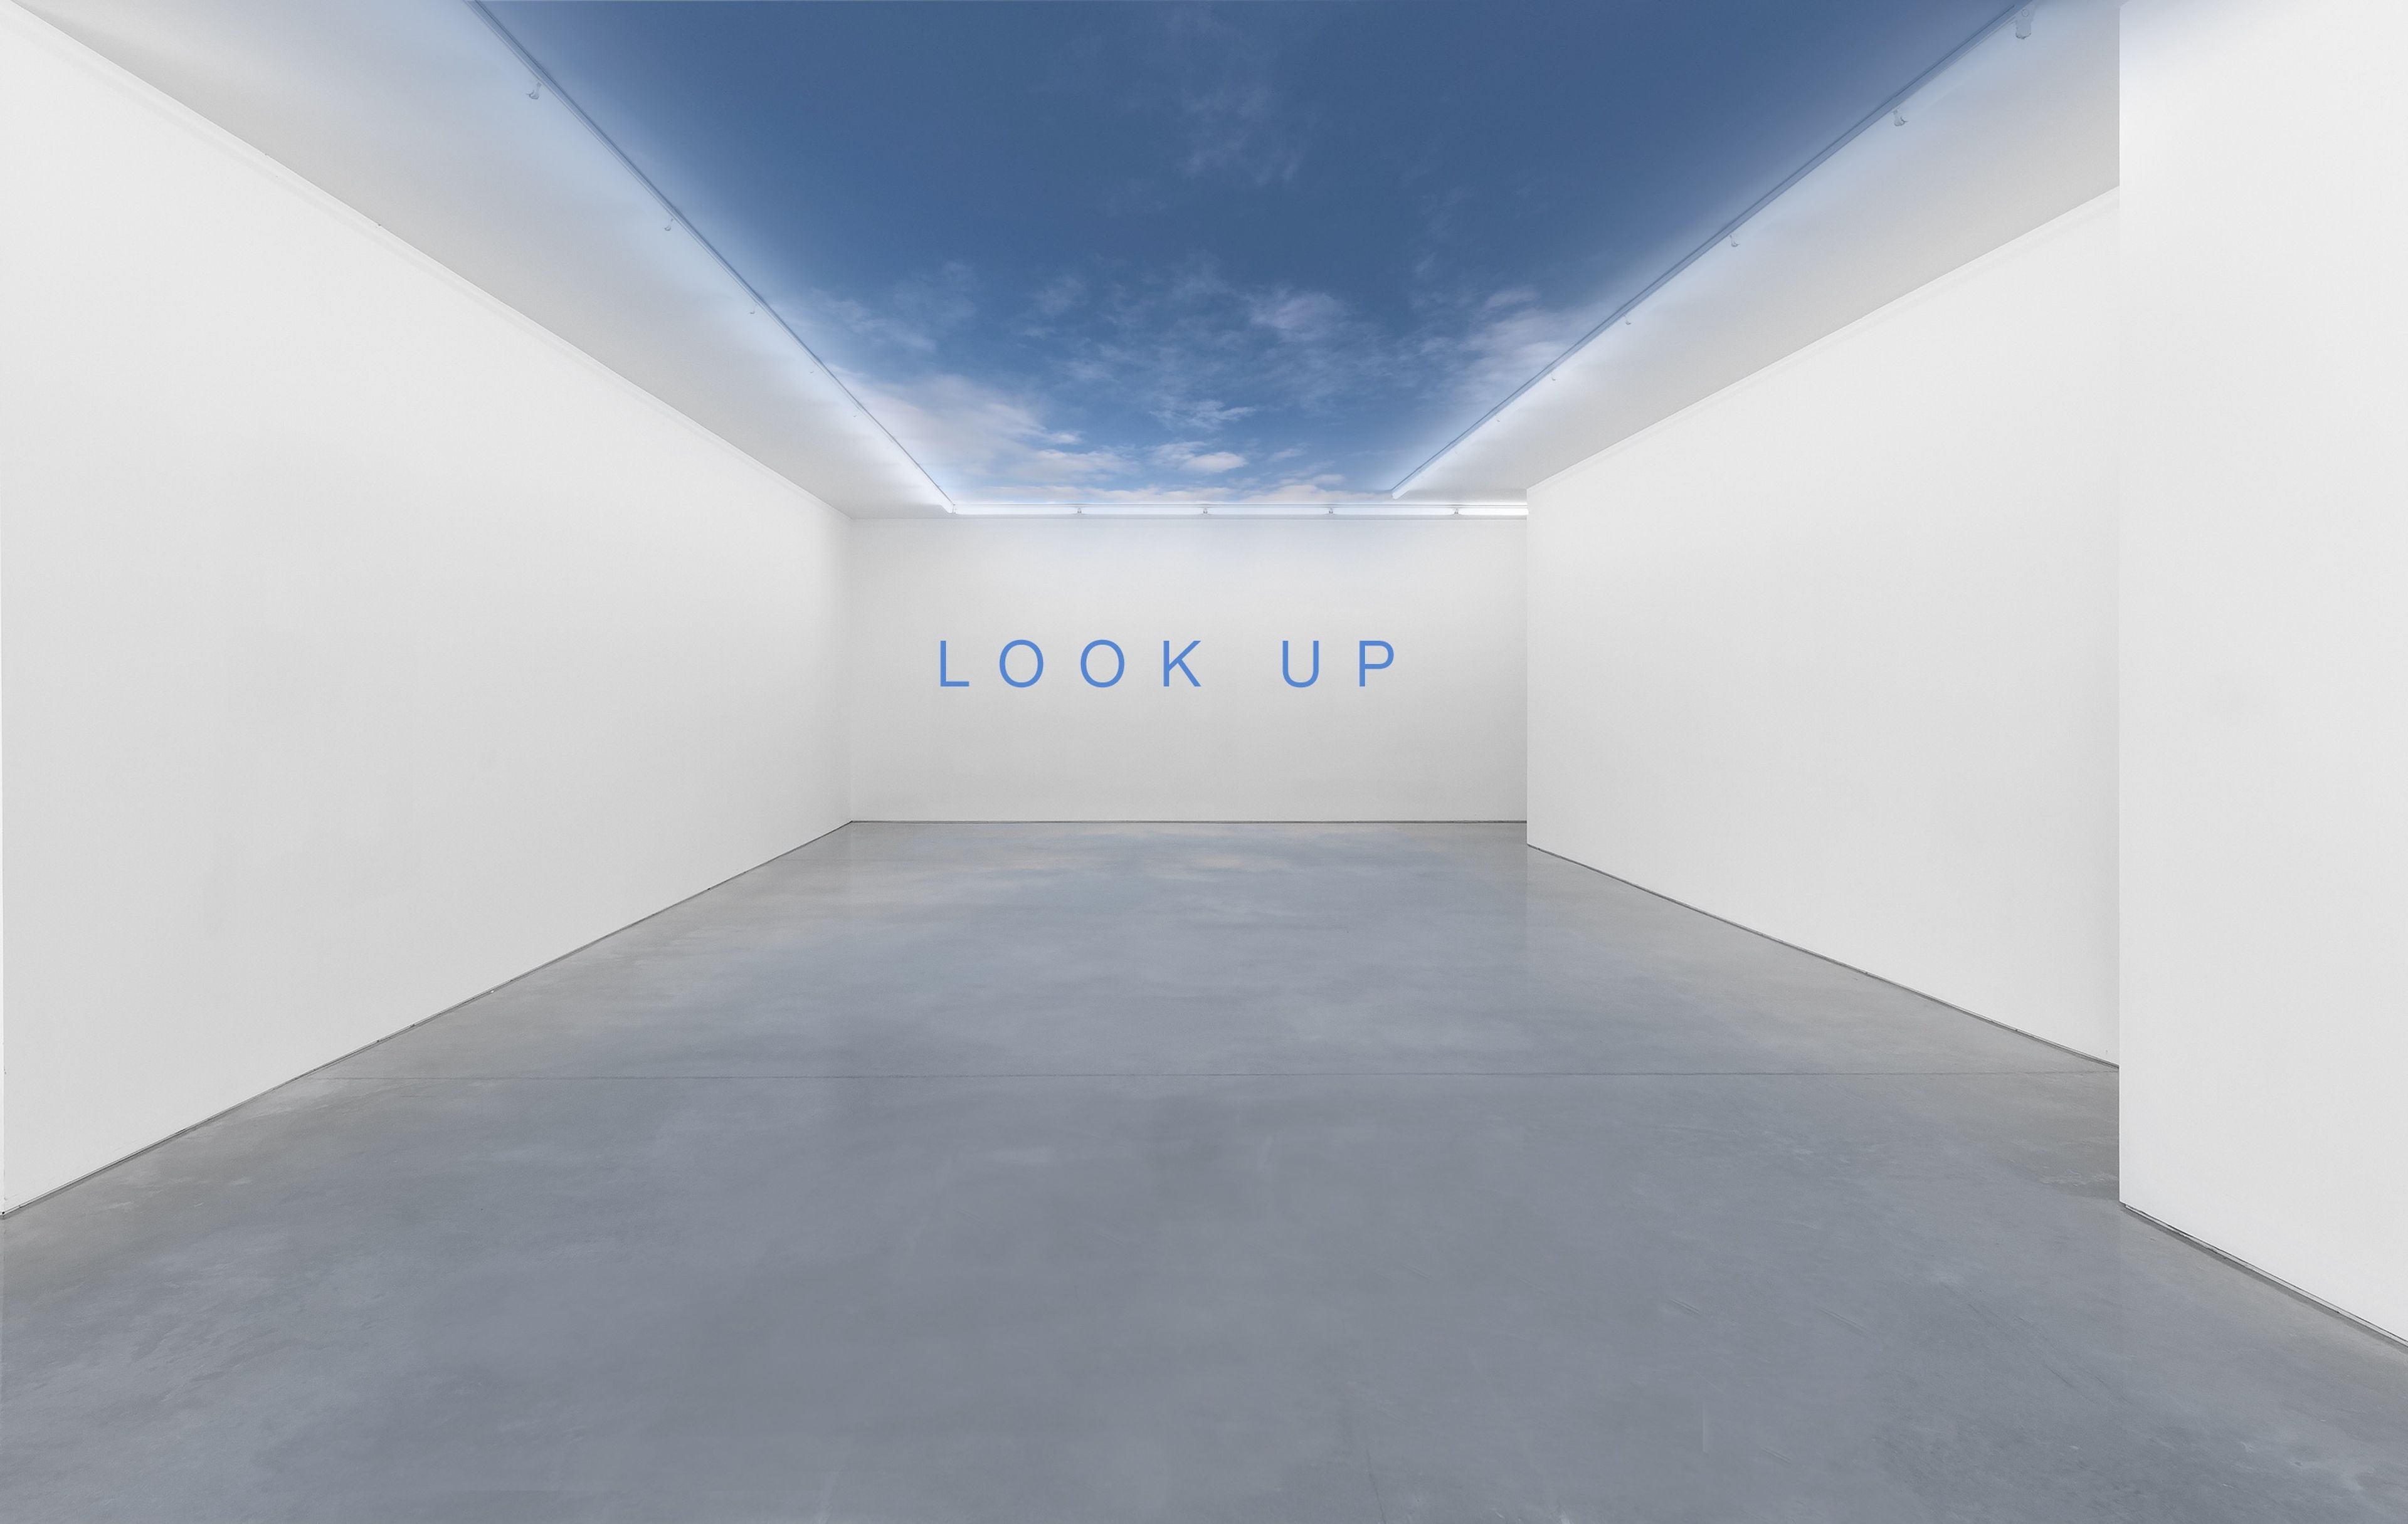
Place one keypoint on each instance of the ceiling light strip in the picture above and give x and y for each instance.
(1894, 105)
(545, 82)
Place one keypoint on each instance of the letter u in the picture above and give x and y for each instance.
(1290, 675)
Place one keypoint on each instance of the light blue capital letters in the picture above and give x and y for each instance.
(1179, 661)
(1291, 677)
(1365, 666)
(1120, 664)
(944, 681)
(1003, 663)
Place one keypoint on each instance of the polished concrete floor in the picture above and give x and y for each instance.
(1103, 1175)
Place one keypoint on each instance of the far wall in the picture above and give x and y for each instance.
(1435, 736)
(1831, 654)
(365, 646)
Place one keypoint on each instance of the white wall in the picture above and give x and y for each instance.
(2265, 638)
(365, 646)
(1438, 735)
(1831, 653)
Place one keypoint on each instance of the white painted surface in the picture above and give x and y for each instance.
(365, 647)
(1831, 654)
(2017, 131)
(1438, 735)
(2265, 638)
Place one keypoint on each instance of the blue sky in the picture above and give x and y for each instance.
(1129, 250)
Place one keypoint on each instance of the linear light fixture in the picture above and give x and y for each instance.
(2020, 13)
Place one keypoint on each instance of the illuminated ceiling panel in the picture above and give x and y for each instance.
(1130, 252)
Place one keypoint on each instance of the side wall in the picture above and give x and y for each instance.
(1435, 736)
(1831, 653)
(365, 646)
(2265, 628)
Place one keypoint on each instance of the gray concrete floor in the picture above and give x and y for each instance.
(1099, 1174)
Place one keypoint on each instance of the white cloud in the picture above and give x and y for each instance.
(1328, 487)
(1060, 294)
(1206, 417)
(1190, 456)
(1160, 494)
(915, 314)
(875, 326)
(1510, 337)
(1236, 127)
(1298, 317)
(1243, 380)
(1180, 341)
(965, 431)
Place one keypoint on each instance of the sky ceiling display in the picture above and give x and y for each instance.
(1120, 252)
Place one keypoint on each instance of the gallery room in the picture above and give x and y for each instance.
(1203, 761)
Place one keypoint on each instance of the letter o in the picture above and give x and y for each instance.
(1003, 663)
(1120, 664)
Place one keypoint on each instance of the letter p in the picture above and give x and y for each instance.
(1365, 666)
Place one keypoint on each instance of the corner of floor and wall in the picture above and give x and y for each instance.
(2034, 642)
(2025, 632)
(366, 645)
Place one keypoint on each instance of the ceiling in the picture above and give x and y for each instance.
(916, 256)
(1185, 249)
